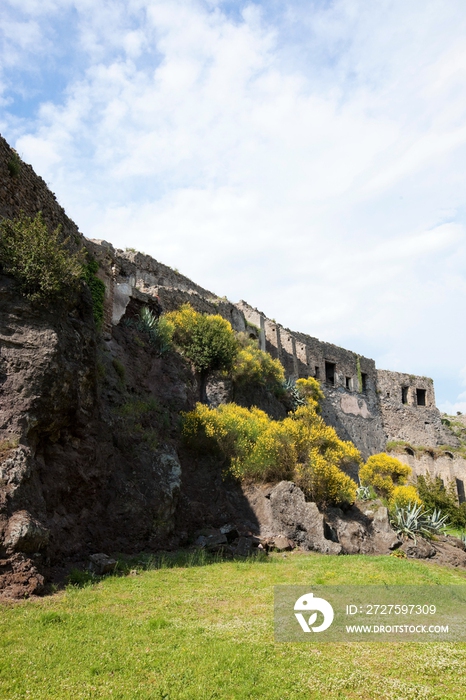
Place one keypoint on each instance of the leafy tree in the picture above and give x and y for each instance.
(208, 342)
(38, 259)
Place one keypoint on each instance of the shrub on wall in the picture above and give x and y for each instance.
(207, 341)
(300, 447)
(384, 473)
(160, 330)
(253, 366)
(97, 289)
(38, 259)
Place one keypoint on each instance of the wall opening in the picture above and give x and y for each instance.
(421, 397)
(364, 381)
(460, 489)
(317, 373)
(404, 394)
(330, 373)
(348, 382)
(409, 451)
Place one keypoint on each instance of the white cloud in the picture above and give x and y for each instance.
(312, 163)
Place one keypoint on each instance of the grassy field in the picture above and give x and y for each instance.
(206, 631)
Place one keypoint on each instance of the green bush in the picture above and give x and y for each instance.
(14, 165)
(384, 473)
(208, 342)
(97, 289)
(38, 259)
(438, 497)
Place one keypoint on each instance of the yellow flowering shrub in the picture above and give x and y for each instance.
(323, 482)
(384, 473)
(256, 366)
(300, 447)
(403, 496)
(310, 389)
(208, 341)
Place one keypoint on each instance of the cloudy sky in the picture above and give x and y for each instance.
(308, 156)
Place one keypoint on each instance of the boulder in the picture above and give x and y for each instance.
(213, 541)
(360, 533)
(25, 534)
(418, 548)
(244, 546)
(19, 577)
(298, 520)
(281, 544)
(101, 564)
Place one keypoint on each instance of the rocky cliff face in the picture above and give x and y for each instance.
(87, 459)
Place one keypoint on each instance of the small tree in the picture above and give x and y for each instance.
(39, 259)
(208, 342)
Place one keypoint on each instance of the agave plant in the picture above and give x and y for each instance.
(158, 331)
(147, 320)
(408, 521)
(363, 493)
(413, 519)
(435, 521)
(297, 399)
(463, 537)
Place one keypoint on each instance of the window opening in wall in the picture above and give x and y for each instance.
(316, 373)
(330, 372)
(460, 489)
(364, 381)
(348, 382)
(421, 397)
(404, 394)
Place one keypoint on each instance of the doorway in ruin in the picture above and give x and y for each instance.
(330, 373)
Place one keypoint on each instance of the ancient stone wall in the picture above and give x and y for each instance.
(128, 275)
(363, 404)
(408, 410)
(449, 466)
(24, 191)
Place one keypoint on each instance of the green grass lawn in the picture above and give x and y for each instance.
(206, 631)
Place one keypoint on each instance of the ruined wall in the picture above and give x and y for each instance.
(447, 465)
(27, 192)
(409, 412)
(128, 275)
(349, 381)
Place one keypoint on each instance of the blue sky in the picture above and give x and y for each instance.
(309, 157)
